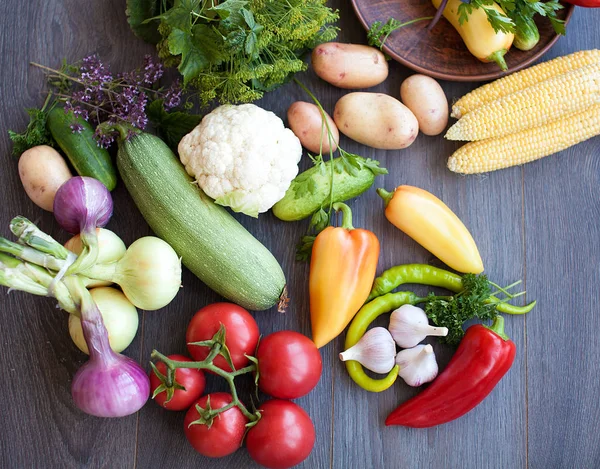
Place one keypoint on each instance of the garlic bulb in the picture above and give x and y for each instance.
(417, 365)
(409, 326)
(375, 351)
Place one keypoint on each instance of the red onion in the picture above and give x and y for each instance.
(82, 204)
(109, 384)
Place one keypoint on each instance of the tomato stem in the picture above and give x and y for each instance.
(207, 364)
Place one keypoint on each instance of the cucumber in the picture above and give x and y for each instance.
(211, 243)
(81, 148)
(310, 189)
(527, 34)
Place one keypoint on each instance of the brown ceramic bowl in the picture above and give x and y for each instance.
(442, 53)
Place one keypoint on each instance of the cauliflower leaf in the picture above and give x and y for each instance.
(239, 201)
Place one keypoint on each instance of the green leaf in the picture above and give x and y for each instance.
(464, 306)
(559, 25)
(230, 12)
(139, 14)
(182, 15)
(35, 134)
(373, 165)
(240, 201)
(304, 248)
(199, 51)
(171, 126)
(499, 22)
(305, 187)
(377, 30)
(319, 221)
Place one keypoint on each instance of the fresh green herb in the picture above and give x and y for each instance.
(517, 12)
(500, 22)
(525, 10)
(236, 50)
(36, 132)
(91, 91)
(171, 126)
(378, 33)
(346, 162)
(476, 301)
(137, 12)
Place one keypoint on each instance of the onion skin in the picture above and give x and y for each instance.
(109, 384)
(119, 389)
(82, 204)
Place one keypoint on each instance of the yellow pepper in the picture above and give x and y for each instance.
(430, 222)
(477, 33)
(342, 270)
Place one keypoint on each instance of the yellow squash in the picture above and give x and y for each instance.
(477, 33)
(429, 221)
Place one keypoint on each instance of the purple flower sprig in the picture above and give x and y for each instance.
(91, 91)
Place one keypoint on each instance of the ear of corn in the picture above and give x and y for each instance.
(528, 145)
(523, 79)
(547, 101)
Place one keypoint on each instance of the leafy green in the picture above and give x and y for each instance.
(198, 50)
(138, 12)
(236, 50)
(36, 132)
(171, 126)
(454, 311)
(346, 162)
(500, 22)
(517, 13)
(378, 33)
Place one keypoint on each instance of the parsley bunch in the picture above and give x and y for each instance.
(475, 301)
(235, 50)
(518, 13)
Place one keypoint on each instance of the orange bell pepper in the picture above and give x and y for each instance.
(342, 270)
(429, 221)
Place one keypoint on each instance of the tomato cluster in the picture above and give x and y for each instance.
(288, 366)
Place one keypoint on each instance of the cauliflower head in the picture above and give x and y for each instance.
(242, 156)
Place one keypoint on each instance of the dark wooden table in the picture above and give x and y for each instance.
(538, 223)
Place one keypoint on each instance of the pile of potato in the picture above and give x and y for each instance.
(373, 119)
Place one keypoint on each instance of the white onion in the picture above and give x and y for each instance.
(119, 315)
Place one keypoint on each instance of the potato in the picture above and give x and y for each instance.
(376, 120)
(306, 122)
(349, 66)
(426, 99)
(43, 171)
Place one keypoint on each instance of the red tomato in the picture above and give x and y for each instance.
(226, 432)
(283, 437)
(289, 365)
(241, 333)
(192, 380)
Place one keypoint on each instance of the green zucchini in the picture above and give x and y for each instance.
(211, 243)
(81, 148)
(527, 34)
(310, 189)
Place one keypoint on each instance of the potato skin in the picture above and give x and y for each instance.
(426, 99)
(42, 171)
(349, 66)
(376, 120)
(306, 122)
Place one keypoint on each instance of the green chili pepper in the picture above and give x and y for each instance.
(423, 274)
(365, 316)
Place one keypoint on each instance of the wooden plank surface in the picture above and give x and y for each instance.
(538, 223)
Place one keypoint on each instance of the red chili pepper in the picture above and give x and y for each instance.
(585, 3)
(483, 357)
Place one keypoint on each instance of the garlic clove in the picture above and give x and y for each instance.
(417, 365)
(409, 326)
(375, 351)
